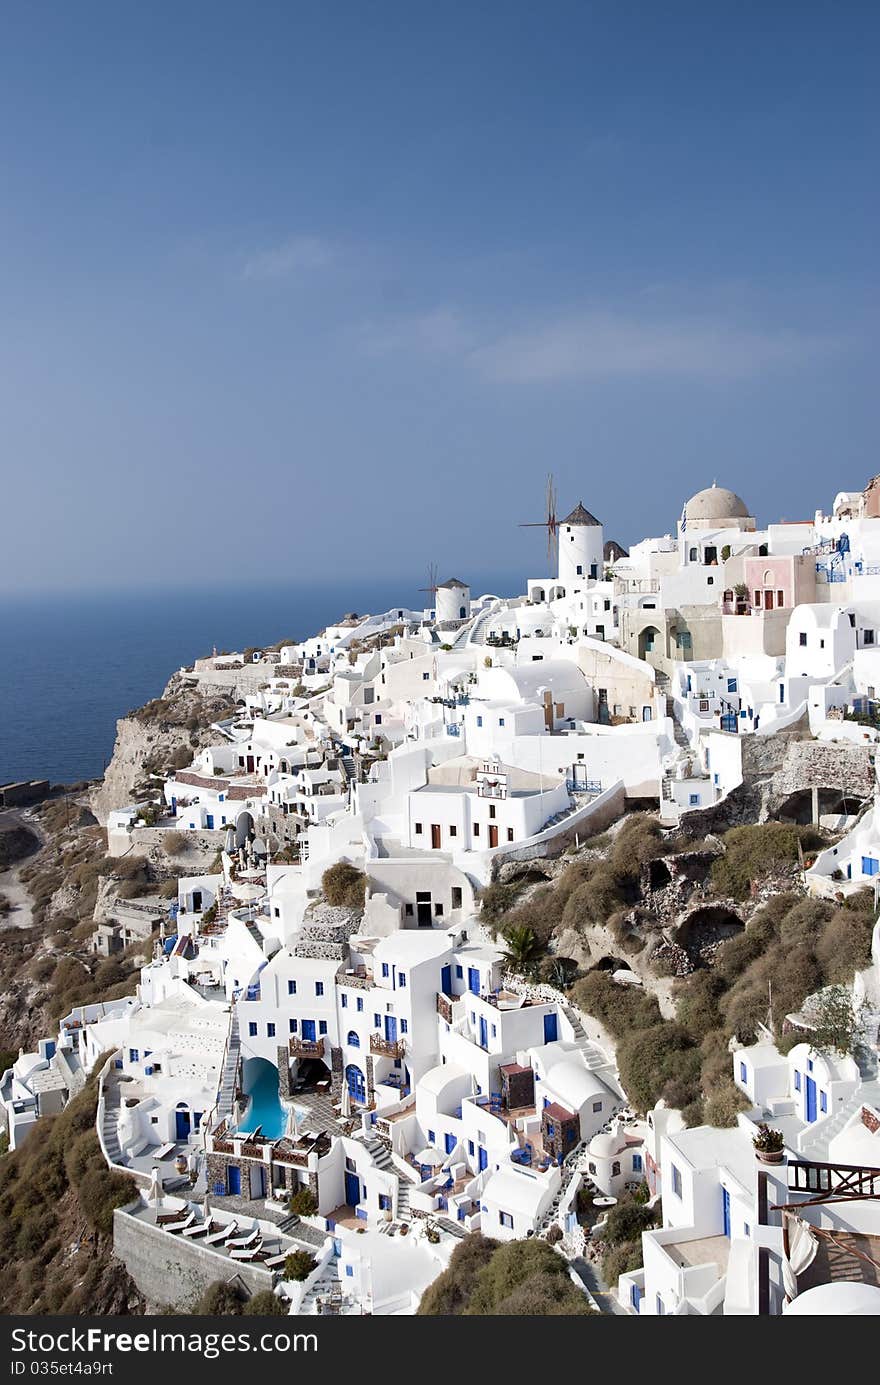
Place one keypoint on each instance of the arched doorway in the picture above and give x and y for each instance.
(244, 828)
(356, 1083)
(182, 1121)
(650, 643)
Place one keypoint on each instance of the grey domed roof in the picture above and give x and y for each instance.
(715, 502)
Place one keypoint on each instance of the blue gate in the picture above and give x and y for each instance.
(811, 1100)
(357, 1088)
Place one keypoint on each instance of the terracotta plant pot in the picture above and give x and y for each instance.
(765, 1156)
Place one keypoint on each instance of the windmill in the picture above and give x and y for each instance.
(432, 583)
(551, 523)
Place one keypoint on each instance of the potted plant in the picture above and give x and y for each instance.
(769, 1145)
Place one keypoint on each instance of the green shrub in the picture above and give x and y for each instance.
(220, 1300)
(303, 1202)
(299, 1265)
(755, 850)
(627, 1221)
(621, 1259)
(845, 945)
(265, 1304)
(525, 1277)
(344, 885)
(723, 1104)
(451, 1292)
(619, 1009)
(650, 1061)
(497, 899)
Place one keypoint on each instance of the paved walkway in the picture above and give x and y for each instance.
(589, 1277)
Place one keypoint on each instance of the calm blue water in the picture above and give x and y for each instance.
(72, 664)
(261, 1085)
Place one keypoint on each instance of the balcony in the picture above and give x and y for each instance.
(387, 1048)
(360, 979)
(306, 1048)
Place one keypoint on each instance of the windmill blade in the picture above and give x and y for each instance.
(432, 579)
(552, 523)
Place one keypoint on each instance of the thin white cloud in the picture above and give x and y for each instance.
(298, 255)
(440, 332)
(605, 344)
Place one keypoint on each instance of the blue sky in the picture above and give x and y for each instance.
(294, 287)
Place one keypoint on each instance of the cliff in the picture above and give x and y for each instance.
(161, 735)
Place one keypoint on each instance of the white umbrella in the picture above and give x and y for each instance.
(346, 1101)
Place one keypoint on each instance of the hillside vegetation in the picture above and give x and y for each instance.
(518, 1278)
(57, 1198)
(798, 944)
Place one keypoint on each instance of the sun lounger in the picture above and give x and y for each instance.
(275, 1262)
(203, 1228)
(215, 1236)
(166, 1218)
(242, 1242)
(164, 1150)
(248, 1252)
(181, 1225)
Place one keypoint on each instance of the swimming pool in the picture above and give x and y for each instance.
(260, 1084)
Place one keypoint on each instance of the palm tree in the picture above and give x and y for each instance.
(523, 949)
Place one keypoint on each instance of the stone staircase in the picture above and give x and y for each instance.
(681, 739)
(379, 1151)
(229, 1076)
(112, 1101)
(817, 1147)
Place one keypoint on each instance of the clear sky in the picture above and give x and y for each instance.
(292, 287)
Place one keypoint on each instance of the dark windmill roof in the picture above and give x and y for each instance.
(581, 516)
(453, 582)
(613, 550)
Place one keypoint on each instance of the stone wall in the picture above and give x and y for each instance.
(170, 1270)
(826, 765)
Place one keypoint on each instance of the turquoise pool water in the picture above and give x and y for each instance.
(260, 1083)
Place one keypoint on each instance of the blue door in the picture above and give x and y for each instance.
(209, 821)
(484, 1033)
(357, 1087)
(725, 1211)
(391, 1028)
(182, 1123)
(352, 1189)
(233, 1180)
(551, 1028)
(473, 980)
(811, 1100)
(308, 1030)
(449, 1142)
(446, 980)
(482, 1158)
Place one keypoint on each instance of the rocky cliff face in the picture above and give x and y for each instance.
(165, 733)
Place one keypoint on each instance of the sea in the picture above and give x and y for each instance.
(72, 664)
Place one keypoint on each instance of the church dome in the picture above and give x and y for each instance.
(715, 503)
